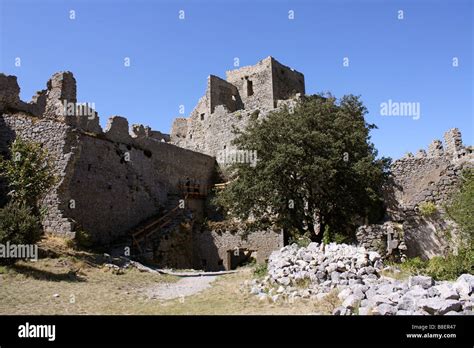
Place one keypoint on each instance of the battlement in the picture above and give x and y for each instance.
(58, 102)
(116, 177)
(453, 149)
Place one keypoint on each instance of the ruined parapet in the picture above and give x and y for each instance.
(420, 154)
(179, 129)
(221, 92)
(117, 130)
(61, 90)
(435, 149)
(38, 103)
(9, 92)
(141, 132)
(157, 135)
(453, 141)
(138, 131)
(84, 117)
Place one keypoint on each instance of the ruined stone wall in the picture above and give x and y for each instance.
(213, 249)
(286, 82)
(223, 93)
(255, 84)
(387, 239)
(226, 105)
(119, 181)
(109, 181)
(60, 143)
(431, 176)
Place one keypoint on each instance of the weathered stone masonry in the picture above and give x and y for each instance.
(112, 180)
(109, 181)
(429, 176)
(250, 91)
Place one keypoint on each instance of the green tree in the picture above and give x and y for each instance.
(18, 224)
(462, 206)
(316, 167)
(28, 176)
(27, 172)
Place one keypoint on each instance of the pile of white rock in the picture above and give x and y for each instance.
(314, 271)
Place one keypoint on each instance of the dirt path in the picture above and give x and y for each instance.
(186, 286)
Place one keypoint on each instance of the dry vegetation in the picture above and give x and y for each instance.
(75, 282)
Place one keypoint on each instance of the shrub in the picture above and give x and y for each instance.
(427, 209)
(260, 270)
(451, 266)
(303, 283)
(461, 207)
(338, 238)
(413, 266)
(302, 241)
(84, 239)
(28, 172)
(18, 225)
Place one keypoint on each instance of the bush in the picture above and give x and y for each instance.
(18, 224)
(260, 270)
(413, 266)
(330, 237)
(451, 266)
(28, 172)
(84, 239)
(461, 207)
(427, 209)
(302, 241)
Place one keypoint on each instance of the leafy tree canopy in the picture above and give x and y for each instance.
(27, 172)
(316, 169)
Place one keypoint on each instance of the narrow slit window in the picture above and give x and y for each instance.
(249, 88)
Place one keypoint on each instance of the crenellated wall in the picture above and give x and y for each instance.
(429, 176)
(110, 180)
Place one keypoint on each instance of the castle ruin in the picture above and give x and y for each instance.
(128, 183)
(246, 92)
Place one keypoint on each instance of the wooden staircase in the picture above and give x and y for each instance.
(143, 234)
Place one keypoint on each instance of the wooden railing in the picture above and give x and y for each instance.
(145, 232)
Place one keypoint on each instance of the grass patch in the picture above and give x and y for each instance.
(260, 270)
(427, 209)
(329, 303)
(303, 283)
(449, 267)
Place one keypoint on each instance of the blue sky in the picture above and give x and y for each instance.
(409, 60)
